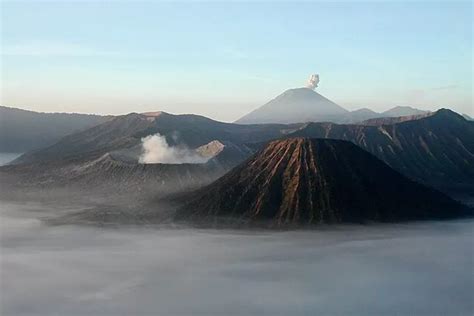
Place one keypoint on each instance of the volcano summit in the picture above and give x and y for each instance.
(309, 181)
(295, 105)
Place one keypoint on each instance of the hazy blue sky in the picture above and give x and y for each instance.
(224, 59)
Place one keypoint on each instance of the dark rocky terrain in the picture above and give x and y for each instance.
(102, 162)
(226, 155)
(126, 132)
(93, 142)
(378, 121)
(113, 174)
(310, 181)
(118, 173)
(437, 150)
(22, 131)
(107, 189)
(368, 117)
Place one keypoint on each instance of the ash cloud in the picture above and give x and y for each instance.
(155, 149)
(313, 82)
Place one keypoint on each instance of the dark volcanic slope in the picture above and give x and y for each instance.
(126, 132)
(317, 181)
(437, 150)
(108, 174)
(94, 142)
(378, 121)
(138, 178)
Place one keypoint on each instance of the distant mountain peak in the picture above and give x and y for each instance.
(448, 114)
(404, 107)
(402, 111)
(364, 110)
(294, 106)
(301, 90)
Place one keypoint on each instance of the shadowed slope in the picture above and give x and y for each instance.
(125, 132)
(437, 150)
(92, 143)
(301, 181)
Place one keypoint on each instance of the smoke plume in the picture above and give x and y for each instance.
(313, 82)
(155, 149)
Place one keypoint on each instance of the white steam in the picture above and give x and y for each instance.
(155, 149)
(313, 82)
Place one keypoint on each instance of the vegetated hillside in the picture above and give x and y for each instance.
(22, 130)
(437, 150)
(309, 181)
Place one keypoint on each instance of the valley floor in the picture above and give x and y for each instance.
(394, 269)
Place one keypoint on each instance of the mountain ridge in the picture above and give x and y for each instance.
(436, 149)
(25, 130)
(302, 105)
(309, 181)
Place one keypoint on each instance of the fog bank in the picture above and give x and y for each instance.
(420, 268)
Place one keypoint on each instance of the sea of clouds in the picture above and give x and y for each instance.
(403, 269)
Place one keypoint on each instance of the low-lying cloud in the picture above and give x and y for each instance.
(412, 269)
(155, 149)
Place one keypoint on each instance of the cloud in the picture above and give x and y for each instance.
(411, 268)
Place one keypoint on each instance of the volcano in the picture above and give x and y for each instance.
(295, 106)
(311, 181)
